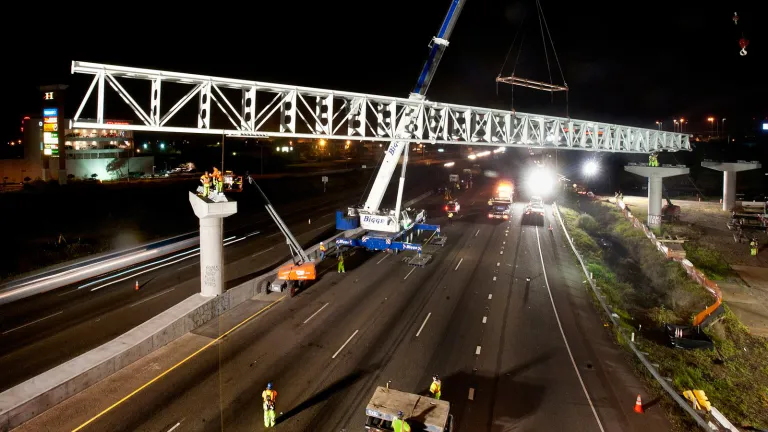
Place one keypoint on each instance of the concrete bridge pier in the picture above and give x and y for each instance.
(655, 176)
(729, 170)
(211, 215)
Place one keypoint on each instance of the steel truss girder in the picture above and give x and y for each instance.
(303, 112)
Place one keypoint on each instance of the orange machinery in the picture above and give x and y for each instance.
(291, 277)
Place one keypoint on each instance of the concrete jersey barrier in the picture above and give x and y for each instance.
(34, 396)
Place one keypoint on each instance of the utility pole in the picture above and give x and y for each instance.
(222, 152)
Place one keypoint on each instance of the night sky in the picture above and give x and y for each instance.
(627, 62)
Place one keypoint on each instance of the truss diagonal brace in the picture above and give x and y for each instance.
(538, 85)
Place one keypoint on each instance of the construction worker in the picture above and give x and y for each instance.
(269, 393)
(322, 251)
(400, 425)
(269, 412)
(219, 182)
(753, 247)
(436, 387)
(341, 264)
(205, 179)
(450, 218)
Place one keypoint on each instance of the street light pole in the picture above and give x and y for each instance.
(222, 152)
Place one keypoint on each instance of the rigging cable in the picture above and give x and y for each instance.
(544, 43)
(562, 75)
(378, 166)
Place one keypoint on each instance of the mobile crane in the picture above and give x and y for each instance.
(393, 229)
(291, 277)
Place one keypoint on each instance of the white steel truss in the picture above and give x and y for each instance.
(302, 112)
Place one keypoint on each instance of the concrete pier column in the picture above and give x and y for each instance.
(729, 170)
(655, 187)
(211, 215)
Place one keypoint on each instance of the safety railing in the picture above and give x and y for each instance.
(623, 333)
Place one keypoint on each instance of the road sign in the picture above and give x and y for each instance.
(325, 179)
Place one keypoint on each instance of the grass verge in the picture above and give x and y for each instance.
(644, 288)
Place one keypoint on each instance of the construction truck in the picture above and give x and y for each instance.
(500, 204)
(232, 182)
(291, 277)
(422, 413)
(454, 182)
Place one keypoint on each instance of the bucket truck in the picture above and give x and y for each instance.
(390, 228)
(291, 277)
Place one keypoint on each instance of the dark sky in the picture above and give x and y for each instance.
(630, 62)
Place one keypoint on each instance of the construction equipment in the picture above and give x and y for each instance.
(292, 277)
(500, 204)
(670, 212)
(232, 182)
(386, 229)
(422, 413)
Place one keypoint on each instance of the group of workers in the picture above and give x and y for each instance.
(217, 178)
(340, 266)
(269, 397)
(653, 159)
(753, 246)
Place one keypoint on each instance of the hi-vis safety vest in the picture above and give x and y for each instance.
(450, 215)
(271, 393)
(435, 387)
(322, 247)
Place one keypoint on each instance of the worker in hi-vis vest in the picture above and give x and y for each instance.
(436, 387)
(400, 425)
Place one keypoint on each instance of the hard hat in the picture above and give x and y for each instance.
(269, 386)
(399, 414)
(436, 377)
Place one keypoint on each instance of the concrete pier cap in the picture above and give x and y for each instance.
(211, 214)
(655, 175)
(729, 170)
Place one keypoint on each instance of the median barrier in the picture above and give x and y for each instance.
(34, 396)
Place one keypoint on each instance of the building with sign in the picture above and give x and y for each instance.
(107, 153)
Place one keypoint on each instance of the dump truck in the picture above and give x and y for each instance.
(290, 277)
(422, 413)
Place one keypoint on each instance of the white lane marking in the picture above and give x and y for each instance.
(498, 264)
(501, 252)
(188, 265)
(562, 333)
(151, 297)
(30, 323)
(385, 257)
(471, 394)
(457, 265)
(485, 319)
(494, 278)
(325, 215)
(272, 235)
(503, 242)
(345, 343)
(490, 296)
(423, 324)
(505, 234)
(409, 273)
(154, 268)
(264, 251)
(138, 268)
(313, 315)
(478, 232)
(174, 427)
(477, 350)
(321, 227)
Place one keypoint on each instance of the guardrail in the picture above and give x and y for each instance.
(623, 333)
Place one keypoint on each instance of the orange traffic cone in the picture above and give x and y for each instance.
(639, 405)
(137, 285)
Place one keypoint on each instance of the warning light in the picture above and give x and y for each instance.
(48, 96)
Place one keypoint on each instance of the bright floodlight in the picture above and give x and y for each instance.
(540, 181)
(590, 168)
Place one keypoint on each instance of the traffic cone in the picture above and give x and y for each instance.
(639, 405)
(137, 285)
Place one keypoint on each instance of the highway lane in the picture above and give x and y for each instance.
(43, 331)
(470, 316)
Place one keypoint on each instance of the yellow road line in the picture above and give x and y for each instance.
(111, 407)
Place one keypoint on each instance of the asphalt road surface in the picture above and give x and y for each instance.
(43, 331)
(513, 354)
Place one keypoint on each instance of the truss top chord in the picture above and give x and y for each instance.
(538, 85)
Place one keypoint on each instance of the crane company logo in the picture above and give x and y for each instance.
(344, 242)
(376, 220)
(411, 247)
(392, 148)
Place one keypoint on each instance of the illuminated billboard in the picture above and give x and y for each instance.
(765, 127)
(50, 127)
(50, 112)
(51, 138)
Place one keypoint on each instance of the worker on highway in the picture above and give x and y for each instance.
(341, 264)
(269, 412)
(400, 425)
(269, 393)
(753, 246)
(322, 251)
(436, 387)
(205, 179)
(450, 218)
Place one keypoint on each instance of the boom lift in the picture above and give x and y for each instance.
(291, 277)
(387, 228)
